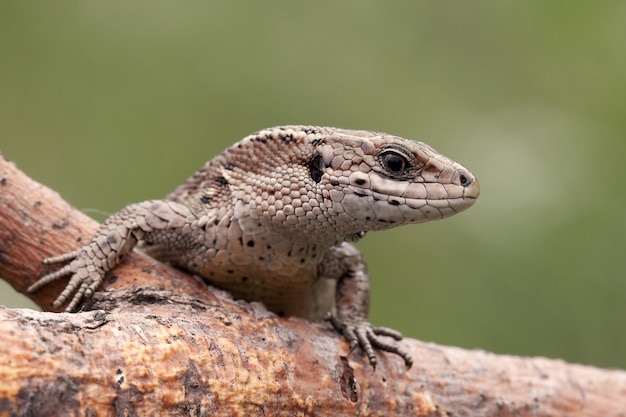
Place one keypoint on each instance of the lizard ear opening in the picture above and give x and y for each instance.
(316, 168)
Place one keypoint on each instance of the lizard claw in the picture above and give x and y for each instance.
(85, 278)
(361, 333)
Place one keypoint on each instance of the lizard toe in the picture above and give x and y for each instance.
(361, 333)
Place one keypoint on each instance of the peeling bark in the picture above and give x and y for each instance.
(155, 341)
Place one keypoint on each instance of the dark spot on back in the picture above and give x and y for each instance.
(3, 181)
(359, 181)
(262, 139)
(244, 279)
(334, 183)
(205, 199)
(230, 271)
(222, 181)
(394, 202)
(250, 243)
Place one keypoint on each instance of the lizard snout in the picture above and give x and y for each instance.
(466, 179)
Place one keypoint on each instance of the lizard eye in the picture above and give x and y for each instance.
(396, 160)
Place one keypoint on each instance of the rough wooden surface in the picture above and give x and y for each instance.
(157, 342)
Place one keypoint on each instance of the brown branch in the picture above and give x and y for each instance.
(156, 341)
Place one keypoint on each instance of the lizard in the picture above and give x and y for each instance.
(273, 218)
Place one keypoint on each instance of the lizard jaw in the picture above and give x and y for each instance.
(385, 202)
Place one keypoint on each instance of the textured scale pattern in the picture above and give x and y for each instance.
(270, 218)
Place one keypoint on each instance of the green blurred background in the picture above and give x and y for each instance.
(115, 102)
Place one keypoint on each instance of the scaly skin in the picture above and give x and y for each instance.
(270, 218)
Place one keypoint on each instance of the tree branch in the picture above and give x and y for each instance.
(157, 341)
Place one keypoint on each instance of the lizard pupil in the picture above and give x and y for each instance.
(394, 163)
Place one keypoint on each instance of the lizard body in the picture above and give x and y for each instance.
(270, 219)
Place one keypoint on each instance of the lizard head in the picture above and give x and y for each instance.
(380, 181)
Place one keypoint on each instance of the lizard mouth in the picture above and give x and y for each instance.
(406, 203)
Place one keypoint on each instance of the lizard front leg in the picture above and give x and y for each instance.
(346, 264)
(116, 237)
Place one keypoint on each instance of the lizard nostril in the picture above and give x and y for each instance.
(465, 179)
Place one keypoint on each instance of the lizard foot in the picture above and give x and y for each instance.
(86, 277)
(361, 333)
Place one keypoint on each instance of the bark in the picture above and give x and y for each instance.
(156, 341)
